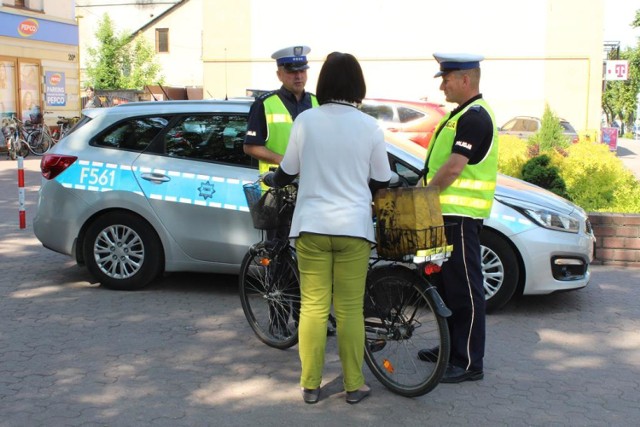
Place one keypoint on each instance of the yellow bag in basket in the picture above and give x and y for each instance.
(408, 219)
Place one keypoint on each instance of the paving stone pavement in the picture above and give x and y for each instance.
(180, 353)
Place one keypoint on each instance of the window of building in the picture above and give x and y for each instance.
(162, 40)
(30, 4)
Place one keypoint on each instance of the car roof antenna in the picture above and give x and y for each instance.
(226, 89)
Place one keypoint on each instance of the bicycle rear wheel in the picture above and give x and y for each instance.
(38, 142)
(400, 320)
(270, 294)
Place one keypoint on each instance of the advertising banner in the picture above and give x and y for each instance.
(610, 137)
(55, 95)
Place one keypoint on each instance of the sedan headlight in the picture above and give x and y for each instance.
(547, 218)
(552, 220)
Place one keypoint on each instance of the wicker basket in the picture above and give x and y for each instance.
(270, 208)
(397, 243)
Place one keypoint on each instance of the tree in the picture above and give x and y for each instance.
(120, 61)
(551, 133)
(620, 98)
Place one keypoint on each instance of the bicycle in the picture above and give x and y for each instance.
(269, 281)
(39, 139)
(14, 135)
(65, 124)
(403, 311)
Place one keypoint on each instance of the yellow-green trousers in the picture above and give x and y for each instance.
(332, 268)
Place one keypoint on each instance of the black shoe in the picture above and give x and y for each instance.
(357, 395)
(310, 395)
(456, 374)
(429, 354)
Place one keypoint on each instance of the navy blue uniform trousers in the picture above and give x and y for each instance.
(461, 286)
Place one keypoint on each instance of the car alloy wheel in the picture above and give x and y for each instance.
(122, 251)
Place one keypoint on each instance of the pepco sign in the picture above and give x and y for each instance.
(28, 27)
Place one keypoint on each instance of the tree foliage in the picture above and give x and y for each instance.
(120, 61)
(620, 98)
(550, 136)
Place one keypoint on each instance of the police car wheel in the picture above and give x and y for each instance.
(500, 268)
(122, 251)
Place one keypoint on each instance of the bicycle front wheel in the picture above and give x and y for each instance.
(270, 294)
(400, 320)
(38, 142)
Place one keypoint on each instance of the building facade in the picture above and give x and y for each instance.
(39, 59)
(537, 52)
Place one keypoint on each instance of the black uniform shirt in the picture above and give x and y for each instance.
(257, 125)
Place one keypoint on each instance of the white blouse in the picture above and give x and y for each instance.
(336, 149)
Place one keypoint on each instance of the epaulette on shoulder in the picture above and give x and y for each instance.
(477, 108)
(266, 95)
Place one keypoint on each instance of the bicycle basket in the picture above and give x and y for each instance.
(272, 208)
(397, 243)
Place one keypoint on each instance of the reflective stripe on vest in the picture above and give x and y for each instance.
(279, 123)
(471, 194)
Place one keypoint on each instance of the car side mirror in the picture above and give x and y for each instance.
(397, 181)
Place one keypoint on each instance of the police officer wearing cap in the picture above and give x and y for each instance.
(273, 113)
(462, 162)
(270, 120)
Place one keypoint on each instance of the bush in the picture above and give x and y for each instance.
(512, 155)
(540, 172)
(598, 181)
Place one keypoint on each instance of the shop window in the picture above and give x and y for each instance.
(8, 87)
(29, 89)
(162, 40)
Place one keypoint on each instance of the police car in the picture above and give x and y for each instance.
(145, 188)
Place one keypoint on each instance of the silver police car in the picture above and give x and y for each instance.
(145, 188)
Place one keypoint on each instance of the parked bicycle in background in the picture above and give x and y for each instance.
(14, 135)
(65, 124)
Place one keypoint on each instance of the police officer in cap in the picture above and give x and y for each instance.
(273, 113)
(462, 162)
(270, 120)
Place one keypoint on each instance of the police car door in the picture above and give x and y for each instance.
(194, 184)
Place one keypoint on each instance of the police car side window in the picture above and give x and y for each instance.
(408, 114)
(209, 137)
(133, 134)
(379, 112)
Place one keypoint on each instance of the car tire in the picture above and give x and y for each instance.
(122, 251)
(500, 268)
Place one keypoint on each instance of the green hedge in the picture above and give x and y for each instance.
(595, 178)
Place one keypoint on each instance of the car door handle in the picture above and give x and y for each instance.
(155, 177)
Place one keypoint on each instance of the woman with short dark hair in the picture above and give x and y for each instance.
(340, 155)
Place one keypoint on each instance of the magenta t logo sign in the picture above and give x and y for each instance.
(616, 70)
